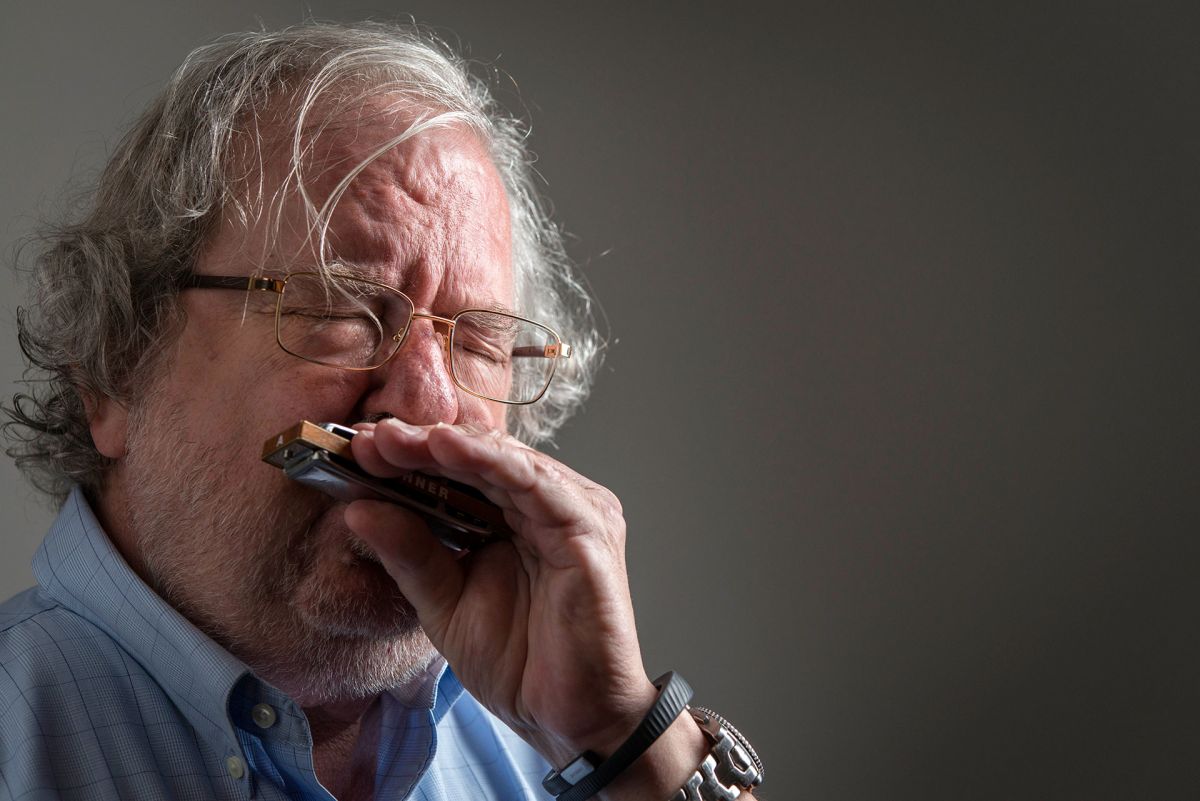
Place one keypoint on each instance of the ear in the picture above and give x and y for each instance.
(108, 421)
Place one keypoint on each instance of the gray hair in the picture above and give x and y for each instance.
(105, 298)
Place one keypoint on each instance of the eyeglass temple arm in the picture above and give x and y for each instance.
(241, 282)
(543, 351)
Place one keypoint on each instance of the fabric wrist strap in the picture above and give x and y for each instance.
(673, 696)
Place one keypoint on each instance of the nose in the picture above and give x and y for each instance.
(415, 384)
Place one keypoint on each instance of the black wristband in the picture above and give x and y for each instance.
(673, 696)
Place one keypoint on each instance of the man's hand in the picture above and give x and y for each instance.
(540, 629)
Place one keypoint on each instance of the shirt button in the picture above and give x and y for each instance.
(235, 766)
(263, 715)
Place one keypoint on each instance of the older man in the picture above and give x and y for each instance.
(204, 627)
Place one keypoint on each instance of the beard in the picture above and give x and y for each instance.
(265, 567)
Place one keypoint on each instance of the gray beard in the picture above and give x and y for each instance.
(236, 562)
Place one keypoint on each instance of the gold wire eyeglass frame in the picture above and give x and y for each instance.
(256, 283)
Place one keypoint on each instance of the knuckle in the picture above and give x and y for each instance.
(542, 470)
(609, 503)
(603, 500)
(604, 517)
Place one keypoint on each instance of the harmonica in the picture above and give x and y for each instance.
(318, 455)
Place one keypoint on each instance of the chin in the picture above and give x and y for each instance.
(354, 597)
(354, 635)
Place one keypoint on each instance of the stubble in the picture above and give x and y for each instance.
(263, 567)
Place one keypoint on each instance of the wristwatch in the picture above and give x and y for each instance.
(729, 769)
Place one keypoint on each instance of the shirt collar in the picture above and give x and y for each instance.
(80, 568)
(435, 689)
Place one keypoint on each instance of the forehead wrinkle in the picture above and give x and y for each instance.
(377, 222)
(462, 184)
(394, 213)
(374, 202)
(429, 216)
(432, 203)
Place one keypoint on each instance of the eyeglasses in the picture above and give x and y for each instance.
(351, 323)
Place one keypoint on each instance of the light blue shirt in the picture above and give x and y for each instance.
(106, 692)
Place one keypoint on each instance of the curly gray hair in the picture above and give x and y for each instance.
(105, 305)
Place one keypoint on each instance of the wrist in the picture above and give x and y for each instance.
(659, 755)
(664, 767)
(560, 748)
(588, 774)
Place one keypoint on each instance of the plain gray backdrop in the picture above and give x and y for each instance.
(901, 393)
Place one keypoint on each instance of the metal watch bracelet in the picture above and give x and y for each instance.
(731, 768)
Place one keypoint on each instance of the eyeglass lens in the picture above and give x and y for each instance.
(357, 324)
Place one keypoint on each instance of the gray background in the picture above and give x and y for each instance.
(901, 396)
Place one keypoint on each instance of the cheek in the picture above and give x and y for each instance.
(499, 416)
(289, 389)
(482, 414)
(245, 403)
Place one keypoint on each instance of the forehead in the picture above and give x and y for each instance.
(428, 211)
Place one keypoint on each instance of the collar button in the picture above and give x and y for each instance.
(263, 716)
